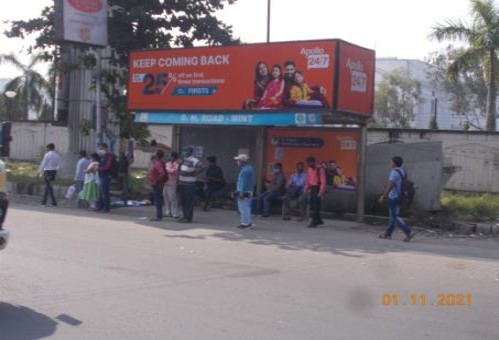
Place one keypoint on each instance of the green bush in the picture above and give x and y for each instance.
(479, 207)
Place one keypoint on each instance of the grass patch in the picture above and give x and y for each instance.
(484, 207)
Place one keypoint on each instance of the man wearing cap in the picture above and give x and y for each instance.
(244, 190)
(189, 169)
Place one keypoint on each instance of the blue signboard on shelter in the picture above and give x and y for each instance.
(235, 119)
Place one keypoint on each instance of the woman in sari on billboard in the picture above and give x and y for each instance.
(304, 96)
(262, 78)
(272, 97)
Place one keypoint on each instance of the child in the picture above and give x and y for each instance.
(272, 97)
(90, 191)
(302, 95)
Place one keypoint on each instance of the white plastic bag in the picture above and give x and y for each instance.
(70, 192)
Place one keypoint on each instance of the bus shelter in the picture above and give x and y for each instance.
(278, 102)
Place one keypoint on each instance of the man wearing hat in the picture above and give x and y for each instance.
(189, 169)
(244, 190)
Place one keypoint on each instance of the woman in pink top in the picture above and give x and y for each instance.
(272, 97)
(170, 190)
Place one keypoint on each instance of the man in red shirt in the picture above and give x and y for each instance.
(316, 188)
(157, 179)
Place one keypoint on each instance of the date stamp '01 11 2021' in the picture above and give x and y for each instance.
(423, 299)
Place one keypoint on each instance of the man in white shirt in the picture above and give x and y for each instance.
(48, 169)
(189, 169)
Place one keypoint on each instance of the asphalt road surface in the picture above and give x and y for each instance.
(70, 274)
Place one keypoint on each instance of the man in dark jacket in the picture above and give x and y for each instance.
(104, 170)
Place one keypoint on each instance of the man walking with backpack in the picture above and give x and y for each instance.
(394, 192)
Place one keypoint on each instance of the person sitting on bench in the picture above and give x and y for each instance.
(275, 188)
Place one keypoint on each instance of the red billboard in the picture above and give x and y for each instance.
(292, 76)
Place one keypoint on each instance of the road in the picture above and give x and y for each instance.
(70, 274)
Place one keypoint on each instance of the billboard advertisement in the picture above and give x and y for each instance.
(257, 77)
(290, 146)
(355, 71)
(81, 21)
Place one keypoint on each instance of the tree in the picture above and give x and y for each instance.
(482, 38)
(134, 25)
(467, 91)
(396, 97)
(33, 91)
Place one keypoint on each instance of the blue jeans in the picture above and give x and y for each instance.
(104, 195)
(158, 201)
(244, 207)
(79, 187)
(264, 201)
(187, 196)
(395, 219)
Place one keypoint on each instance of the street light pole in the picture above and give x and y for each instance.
(268, 20)
(10, 95)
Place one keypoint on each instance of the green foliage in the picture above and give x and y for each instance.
(433, 123)
(482, 39)
(397, 95)
(477, 207)
(134, 25)
(33, 91)
(467, 90)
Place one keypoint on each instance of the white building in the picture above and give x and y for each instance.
(430, 94)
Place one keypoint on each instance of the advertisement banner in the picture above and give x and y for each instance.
(81, 21)
(293, 76)
(336, 150)
(356, 76)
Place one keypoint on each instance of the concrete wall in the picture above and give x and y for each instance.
(423, 162)
(222, 142)
(471, 158)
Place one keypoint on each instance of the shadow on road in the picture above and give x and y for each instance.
(23, 323)
(344, 238)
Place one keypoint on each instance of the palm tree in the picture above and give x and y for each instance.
(482, 38)
(33, 91)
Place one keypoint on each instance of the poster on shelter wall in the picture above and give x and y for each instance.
(336, 150)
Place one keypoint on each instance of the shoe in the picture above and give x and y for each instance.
(321, 222)
(184, 220)
(155, 219)
(312, 225)
(286, 218)
(42, 204)
(300, 219)
(409, 237)
(245, 226)
(263, 216)
(385, 236)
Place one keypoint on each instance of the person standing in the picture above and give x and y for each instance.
(81, 167)
(170, 190)
(244, 190)
(157, 179)
(214, 181)
(48, 169)
(90, 192)
(4, 201)
(316, 188)
(294, 192)
(104, 170)
(393, 191)
(189, 169)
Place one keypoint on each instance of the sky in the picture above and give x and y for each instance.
(393, 28)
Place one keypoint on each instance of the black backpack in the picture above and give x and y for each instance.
(408, 189)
